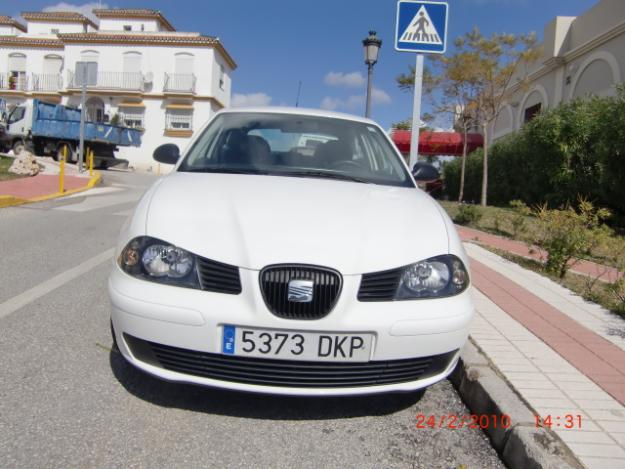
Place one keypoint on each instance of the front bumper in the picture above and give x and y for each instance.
(188, 323)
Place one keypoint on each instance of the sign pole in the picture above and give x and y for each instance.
(83, 97)
(416, 112)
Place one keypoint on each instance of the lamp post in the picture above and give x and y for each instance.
(372, 45)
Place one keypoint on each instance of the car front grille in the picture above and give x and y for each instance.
(379, 286)
(218, 277)
(286, 373)
(274, 284)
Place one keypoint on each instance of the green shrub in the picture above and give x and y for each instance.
(569, 234)
(576, 149)
(468, 215)
(518, 219)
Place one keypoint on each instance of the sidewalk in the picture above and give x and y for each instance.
(45, 185)
(562, 355)
(519, 248)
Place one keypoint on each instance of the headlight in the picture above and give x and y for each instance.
(435, 277)
(158, 261)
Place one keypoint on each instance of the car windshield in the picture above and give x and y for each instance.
(296, 146)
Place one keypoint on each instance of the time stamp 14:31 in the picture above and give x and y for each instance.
(483, 421)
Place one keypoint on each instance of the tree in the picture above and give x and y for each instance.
(452, 86)
(501, 64)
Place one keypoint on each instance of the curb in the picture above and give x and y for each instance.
(522, 445)
(10, 201)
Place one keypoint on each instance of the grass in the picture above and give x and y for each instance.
(509, 223)
(597, 292)
(495, 220)
(5, 163)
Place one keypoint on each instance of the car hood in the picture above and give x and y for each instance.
(252, 221)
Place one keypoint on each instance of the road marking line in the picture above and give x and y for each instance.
(94, 191)
(21, 300)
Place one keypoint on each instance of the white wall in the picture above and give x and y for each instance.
(8, 30)
(156, 59)
(117, 24)
(34, 58)
(45, 27)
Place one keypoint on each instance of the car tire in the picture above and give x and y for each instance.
(18, 147)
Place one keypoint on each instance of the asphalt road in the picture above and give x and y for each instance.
(68, 400)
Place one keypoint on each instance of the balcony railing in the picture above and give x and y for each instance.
(13, 82)
(179, 83)
(46, 82)
(111, 81)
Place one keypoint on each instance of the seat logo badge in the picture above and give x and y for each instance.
(300, 291)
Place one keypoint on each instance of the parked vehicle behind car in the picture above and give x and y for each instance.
(260, 264)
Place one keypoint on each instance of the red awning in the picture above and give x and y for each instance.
(437, 143)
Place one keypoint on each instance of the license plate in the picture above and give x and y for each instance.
(296, 345)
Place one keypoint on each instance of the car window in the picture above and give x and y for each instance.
(296, 145)
(17, 114)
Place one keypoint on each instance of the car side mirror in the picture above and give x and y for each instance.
(167, 153)
(425, 172)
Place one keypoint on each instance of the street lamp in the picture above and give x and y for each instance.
(372, 45)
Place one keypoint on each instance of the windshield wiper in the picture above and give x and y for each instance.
(223, 170)
(323, 174)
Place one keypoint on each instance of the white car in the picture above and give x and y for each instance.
(290, 251)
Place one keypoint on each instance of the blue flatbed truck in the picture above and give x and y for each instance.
(45, 129)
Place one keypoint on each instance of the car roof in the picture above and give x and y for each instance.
(298, 111)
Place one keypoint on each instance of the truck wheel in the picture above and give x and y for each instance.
(59, 153)
(18, 147)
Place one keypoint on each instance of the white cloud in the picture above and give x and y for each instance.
(379, 96)
(330, 104)
(250, 99)
(355, 101)
(85, 8)
(349, 80)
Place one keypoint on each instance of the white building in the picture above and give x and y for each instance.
(582, 56)
(150, 76)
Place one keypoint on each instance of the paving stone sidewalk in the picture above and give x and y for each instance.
(564, 356)
(45, 183)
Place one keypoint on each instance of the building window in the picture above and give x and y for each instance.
(132, 118)
(54, 31)
(532, 112)
(127, 27)
(222, 74)
(17, 79)
(179, 119)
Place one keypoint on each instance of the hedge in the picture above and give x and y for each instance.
(576, 149)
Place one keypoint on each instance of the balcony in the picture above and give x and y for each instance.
(14, 81)
(46, 82)
(124, 81)
(179, 83)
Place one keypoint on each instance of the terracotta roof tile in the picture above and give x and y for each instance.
(188, 40)
(8, 21)
(64, 16)
(134, 13)
(22, 41)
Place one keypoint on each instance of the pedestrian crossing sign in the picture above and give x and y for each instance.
(421, 27)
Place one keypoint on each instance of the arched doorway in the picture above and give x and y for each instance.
(94, 108)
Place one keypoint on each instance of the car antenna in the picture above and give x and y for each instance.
(299, 89)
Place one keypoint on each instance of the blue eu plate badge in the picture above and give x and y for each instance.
(228, 340)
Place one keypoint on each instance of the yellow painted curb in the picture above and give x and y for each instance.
(9, 200)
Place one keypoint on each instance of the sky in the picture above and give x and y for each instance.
(278, 43)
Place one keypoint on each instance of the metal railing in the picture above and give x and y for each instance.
(111, 81)
(181, 120)
(10, 81)
(46, 82)
(179, 82)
